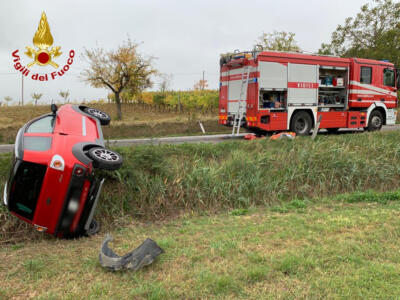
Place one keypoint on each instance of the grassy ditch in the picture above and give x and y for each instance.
(162, 180)
(157, 182)
(333, 248)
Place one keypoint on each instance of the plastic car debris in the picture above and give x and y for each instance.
(142, 256)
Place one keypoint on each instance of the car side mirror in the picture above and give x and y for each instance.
(54, 108)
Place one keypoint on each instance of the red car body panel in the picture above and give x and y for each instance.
(72, 127)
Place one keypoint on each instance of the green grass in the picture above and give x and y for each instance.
(333, 248)
(158, 182)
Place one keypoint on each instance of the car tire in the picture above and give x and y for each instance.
(301, 123)
(103, 117)
(105, 158)
(94, 228)
(375, 121)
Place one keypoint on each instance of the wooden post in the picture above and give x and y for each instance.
(316, 128)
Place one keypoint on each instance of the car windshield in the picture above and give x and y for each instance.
(43, 125)
(25, 187)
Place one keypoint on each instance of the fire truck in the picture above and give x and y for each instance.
(278, 91)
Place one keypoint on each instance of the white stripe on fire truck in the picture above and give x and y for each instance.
(374, 88)
(367, 92)
(372, 101)
(237, 72)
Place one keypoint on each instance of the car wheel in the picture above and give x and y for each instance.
(105, 159)
(301, 123)
(94, 228)
(375, 121)
(101, 115)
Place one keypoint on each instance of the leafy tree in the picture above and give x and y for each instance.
(110, 97)
(119, 70)
(279, 41)
(159, 98)
(36, 97)
(7, 99)
(201, 85)
(64, 95)
(373, 33)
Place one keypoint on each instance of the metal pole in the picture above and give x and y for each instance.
(202, 85)
(179, 101)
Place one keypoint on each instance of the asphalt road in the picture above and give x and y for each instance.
(156, 141)
(185, 139)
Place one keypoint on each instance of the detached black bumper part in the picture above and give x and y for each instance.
(142, 256)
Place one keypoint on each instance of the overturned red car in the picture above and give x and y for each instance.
(52, 183)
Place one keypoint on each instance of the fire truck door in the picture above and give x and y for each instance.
(234, 88)
(302, 85)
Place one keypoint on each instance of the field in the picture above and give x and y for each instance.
(239, 219)
(331, 249)
(139, 120)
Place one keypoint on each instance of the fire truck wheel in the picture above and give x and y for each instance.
(375, 121)
(301, 123)
(101, 115)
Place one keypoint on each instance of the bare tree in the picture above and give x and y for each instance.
(118, 70)
(64, 95)
(7, 99)
(36, 97)
(166, 82)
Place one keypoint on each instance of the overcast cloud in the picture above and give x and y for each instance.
(186, 37)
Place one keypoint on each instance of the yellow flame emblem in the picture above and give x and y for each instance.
(43, 40)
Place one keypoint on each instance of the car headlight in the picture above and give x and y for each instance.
(57, 162)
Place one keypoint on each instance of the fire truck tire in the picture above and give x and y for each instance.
(301, 123)
(375, 121)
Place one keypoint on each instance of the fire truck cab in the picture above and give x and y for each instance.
(277, 91)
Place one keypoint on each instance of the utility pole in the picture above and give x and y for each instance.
(179, 101)
(202, 84)
(22, 89)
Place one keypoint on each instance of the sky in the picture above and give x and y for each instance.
(184, 37)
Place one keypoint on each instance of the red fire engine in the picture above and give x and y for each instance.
(276, 91)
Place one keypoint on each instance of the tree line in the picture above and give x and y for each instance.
(373, 33)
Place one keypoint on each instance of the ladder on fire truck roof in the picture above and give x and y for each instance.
(238, 117)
